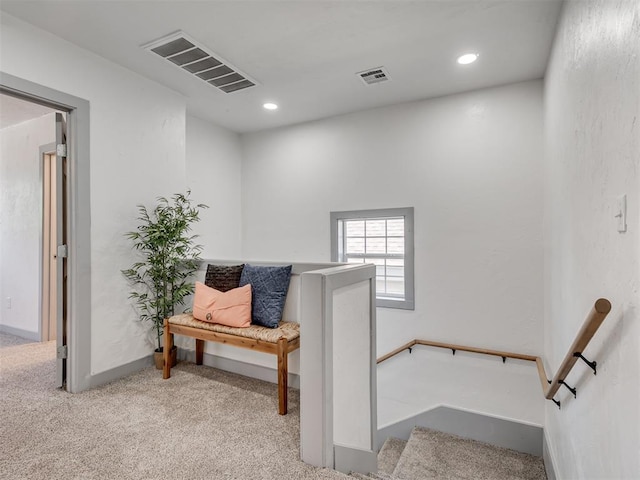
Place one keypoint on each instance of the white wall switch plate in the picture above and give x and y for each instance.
(8, 303)
(621, 213)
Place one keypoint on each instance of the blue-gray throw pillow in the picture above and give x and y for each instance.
(269, 286)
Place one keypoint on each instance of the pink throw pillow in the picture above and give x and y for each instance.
(231, 308)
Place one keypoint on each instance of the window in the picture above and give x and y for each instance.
(384, 238)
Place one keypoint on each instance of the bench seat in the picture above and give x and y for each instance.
(277, 341)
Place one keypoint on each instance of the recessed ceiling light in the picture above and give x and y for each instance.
(467, 58)
(270, 106)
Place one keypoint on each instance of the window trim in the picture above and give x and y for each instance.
(407, 212)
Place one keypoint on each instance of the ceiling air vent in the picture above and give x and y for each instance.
(374, 75)
(197, 60)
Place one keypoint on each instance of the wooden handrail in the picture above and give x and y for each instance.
(598, 313)
(600, 310)
(404, 347)
(484, 351)
(462, 348)
(544, 383)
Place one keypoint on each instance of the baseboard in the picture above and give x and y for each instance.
(476, 426)
(18, 332)
(241, 368)
(547, 457)
(350, 459)
(121, 371)
(235, 366)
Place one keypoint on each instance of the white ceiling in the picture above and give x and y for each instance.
(14, 111)
(305, 53)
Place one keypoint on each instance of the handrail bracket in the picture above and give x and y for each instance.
(557, 402)
(590, 364)
(572, 390)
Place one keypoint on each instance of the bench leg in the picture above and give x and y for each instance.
(199, 351)
(166, 350)
(283, 376)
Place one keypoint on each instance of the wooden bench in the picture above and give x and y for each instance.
(277, 341)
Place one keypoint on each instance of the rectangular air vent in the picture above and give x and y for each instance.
(374, 75)
(197, 60)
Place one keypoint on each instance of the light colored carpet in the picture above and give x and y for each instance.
(200, 424)
(390, 454)
(8, 340)
(377, 476)
(435, 455)
(374, 476)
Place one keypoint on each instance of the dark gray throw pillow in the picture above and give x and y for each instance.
(269, 286)
(223, 277)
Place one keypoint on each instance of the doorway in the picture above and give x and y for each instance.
(72, 252)
(32, 208)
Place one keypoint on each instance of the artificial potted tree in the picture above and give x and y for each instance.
(161, 279)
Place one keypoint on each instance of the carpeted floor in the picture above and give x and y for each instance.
(200, 424)
(433, 455)
(8, 340)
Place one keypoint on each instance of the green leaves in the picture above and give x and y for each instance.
(169, 257)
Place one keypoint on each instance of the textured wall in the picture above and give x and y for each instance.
(137, 142)
(214, 164)
(21, 220)
(592, 104)
(471, 165)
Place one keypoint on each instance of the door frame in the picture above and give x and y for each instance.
(79, 224)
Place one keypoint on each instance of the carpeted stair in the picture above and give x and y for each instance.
(390, 454)
(433, 455)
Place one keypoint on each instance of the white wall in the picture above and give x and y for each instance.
(214, 166)
(137, 153)
(471, 166)
(352, 365)
(21, 221)
(592, 133)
